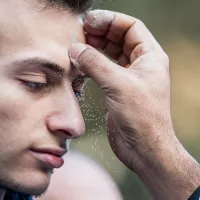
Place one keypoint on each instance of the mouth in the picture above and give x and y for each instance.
(51, 157)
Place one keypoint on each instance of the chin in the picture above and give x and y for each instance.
(34, 184)
(33, 190)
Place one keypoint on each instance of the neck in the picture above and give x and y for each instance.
(2, 193)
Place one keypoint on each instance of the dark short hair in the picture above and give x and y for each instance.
(76, 6)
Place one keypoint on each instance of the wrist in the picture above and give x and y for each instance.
(156, 141)
(168, 170)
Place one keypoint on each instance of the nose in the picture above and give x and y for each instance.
(66, 118)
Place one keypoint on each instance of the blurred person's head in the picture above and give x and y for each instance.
(39, 110)
(81, 179)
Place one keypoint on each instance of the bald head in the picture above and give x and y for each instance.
(81, 179)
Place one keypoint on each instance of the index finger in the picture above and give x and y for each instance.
(120, 29)
(107, 23)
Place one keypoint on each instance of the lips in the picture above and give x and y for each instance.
(51, 157)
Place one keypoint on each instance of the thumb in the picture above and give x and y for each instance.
(95, 64)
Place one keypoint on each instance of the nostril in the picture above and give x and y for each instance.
(64, 133)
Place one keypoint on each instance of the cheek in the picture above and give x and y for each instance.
(13, 107)
(13, 102)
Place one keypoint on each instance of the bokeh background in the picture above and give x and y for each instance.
(176, 26)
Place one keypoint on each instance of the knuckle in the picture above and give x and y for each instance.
(162, 59)
(165, 57)
(165, 60)
(139, 22)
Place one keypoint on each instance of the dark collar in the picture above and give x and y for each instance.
(16, 196)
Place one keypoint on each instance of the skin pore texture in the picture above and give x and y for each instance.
(38, 105)
(79, 179)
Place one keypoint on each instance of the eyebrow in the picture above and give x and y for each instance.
(54, 67)
(43, 63)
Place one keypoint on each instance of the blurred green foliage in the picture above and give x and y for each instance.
(176, 25)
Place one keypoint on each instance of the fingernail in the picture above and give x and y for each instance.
(76, 50)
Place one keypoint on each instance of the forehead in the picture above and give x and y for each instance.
(27, 29)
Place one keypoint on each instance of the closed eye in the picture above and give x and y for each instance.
(34, 86)
(38, 82)
(42, 84)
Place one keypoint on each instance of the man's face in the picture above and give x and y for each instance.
(39, 110)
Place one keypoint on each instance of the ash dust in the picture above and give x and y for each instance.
(95, 143)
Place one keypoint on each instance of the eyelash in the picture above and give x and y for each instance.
(35, 85)
(39, 86)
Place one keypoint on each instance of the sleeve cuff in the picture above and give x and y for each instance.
(195, 195)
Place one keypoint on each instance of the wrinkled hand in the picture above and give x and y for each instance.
(137, 88)
(136, 82)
